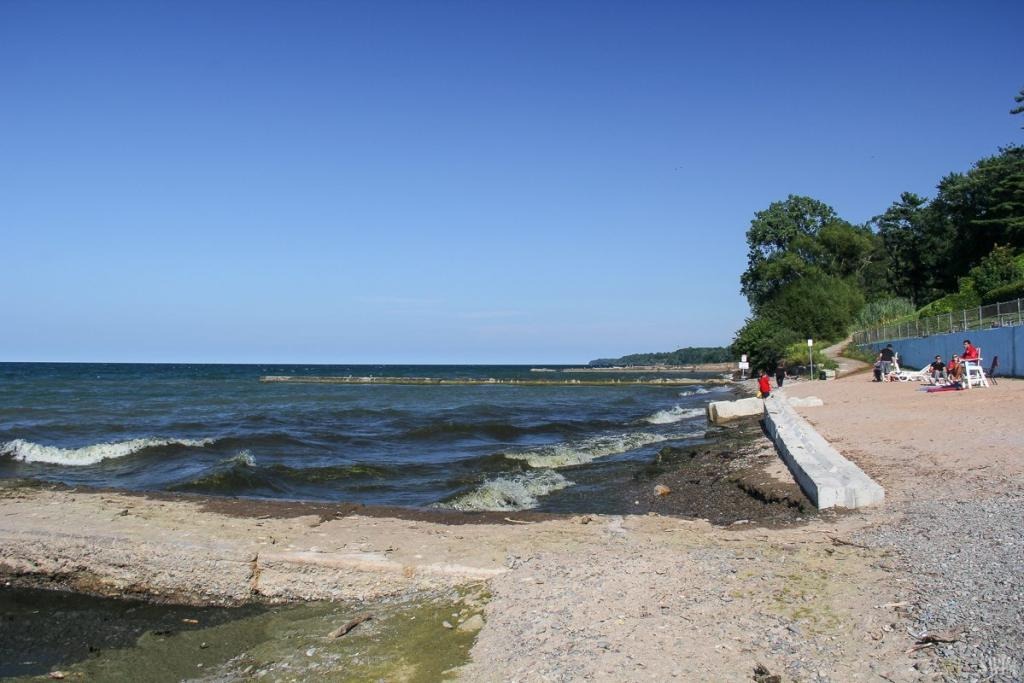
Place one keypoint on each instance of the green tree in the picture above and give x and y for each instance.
(918, 246)
(775, 240)
(764, 341)
(996, 270)
(1019, 99)
(984, 207)
(817, 307)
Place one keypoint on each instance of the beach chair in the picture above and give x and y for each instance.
(974, 374)
(992, 370)
(914, 376)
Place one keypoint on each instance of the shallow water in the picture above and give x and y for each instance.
(216, 429)
(99, 639)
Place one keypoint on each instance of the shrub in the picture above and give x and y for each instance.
(996, 270)
(819, 307)
(764, 341)
(796, 354)
(1014, 290)
(885, 311)
(951, 303)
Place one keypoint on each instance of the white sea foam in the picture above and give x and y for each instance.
(510, 492)
(244, 458)
(694, 392)
(664, 417)
(27, 451)
(580, 452)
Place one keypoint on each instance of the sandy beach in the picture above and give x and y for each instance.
(855, 596)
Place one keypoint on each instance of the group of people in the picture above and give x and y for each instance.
(764, 385)
(938, 370)
(954, 370)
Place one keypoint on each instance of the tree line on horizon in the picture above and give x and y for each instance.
(690, 355)
(813, 275)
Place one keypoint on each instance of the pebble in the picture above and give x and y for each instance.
(965, 560)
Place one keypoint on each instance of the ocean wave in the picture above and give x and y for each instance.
(27, 451)
(242, 473)
(587, 450)
(694, 392)
(510, 492)
(664, 417)
(498, 430)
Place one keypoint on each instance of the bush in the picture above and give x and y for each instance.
(885, 311)
(998, 269)
(817, 307)
(796, 354)
(1014, 290)
(764, 341)
(951, 303)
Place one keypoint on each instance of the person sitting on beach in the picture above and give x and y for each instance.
(764, 385)
(937, 369)
(970, 351)
(954, 371)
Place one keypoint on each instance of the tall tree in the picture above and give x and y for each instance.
(985, 207)
(919, 244)
(774, 240)
(1019, 99)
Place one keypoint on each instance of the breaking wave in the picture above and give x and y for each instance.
(664, 417)
(510, 492)
(694, 392)
(27, 451)
(587, 450)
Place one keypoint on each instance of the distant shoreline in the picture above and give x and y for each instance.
(697, 367)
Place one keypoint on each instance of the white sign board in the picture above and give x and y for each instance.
(810, 343)
(744, 365)
(743, 358)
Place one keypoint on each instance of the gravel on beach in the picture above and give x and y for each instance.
(965, 560)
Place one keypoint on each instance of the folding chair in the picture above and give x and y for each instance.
(992, 370)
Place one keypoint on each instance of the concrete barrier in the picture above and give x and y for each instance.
(828, 479)
(723, 411)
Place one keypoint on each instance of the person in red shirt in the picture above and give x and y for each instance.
(970, 351)
(764, 385)
(954, 371)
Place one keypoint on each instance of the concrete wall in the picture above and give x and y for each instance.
(1003, 342)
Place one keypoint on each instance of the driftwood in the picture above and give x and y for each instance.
(930, 639)
(345, 628)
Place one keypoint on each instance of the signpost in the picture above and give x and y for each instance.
(744, 365)
(810, 355)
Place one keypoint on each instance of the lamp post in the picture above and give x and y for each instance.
(810, 355)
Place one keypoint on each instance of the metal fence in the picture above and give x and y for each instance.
(1006, 314)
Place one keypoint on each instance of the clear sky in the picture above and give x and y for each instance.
(452, 181)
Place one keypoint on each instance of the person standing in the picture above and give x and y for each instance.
(780, 373)
(764, 385)
(885, 357)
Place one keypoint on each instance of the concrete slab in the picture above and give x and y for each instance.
(723, 411)
(828, 479)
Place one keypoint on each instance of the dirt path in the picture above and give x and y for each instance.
(847, 366)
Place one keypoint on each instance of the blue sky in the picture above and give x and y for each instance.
(452, 181)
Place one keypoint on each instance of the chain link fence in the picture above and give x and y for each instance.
(1006, 314)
